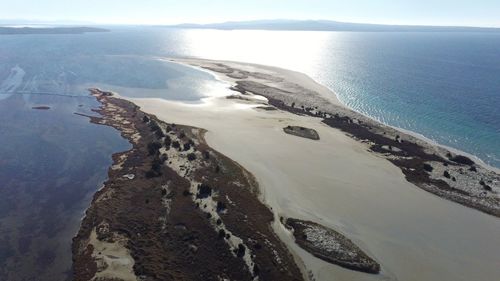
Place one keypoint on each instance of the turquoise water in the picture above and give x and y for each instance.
(444, 86)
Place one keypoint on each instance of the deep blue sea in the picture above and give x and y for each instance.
(444, 86)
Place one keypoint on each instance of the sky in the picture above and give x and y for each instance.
(414, 12)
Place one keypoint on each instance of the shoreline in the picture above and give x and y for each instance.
(287, 90)
(318, 181)
(170, 202)
(329, 93)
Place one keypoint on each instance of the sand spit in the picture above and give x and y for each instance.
(175, 209)
(339, 182)
(461, 180)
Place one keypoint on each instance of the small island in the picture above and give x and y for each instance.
(302, 132)
(41, 107)
(331, 246)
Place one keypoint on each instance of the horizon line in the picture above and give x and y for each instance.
(96, 23)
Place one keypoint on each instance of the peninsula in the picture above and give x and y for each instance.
(226, 182)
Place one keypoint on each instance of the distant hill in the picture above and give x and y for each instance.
(324, 25)
(49, 30)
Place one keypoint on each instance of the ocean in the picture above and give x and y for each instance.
(444, 86)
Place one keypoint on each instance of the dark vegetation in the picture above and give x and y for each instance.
(206, 155)
(191, 156)
(221, 206)
(428, 167)
(204, 191)
(460, 159)
(167, 141)
(240, 252)
(154, 147)
(485, 186)
(176, 144)
(411, 158)
(156, 168)
(161, 251)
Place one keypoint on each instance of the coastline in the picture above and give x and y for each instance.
(171, 202)
(292, 91)
(320, 181)
(305, 80)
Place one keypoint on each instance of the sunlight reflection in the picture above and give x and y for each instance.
(264, 47)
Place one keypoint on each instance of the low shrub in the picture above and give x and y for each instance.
(191, 156)
(167, 141)
(176, 144)
(159, 134)
(240, 252)
(153, 147)
(221, 206)
(460, 159)
(206, 154)
(204, 191)
(428, 167)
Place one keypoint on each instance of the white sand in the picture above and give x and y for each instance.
(113, 259)
(336, 182)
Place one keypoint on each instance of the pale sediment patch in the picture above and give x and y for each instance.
(113, 258)
(13, 81)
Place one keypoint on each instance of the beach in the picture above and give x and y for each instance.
(340, 182)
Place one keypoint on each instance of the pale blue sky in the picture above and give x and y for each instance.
(431, 12)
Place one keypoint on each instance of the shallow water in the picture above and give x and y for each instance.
(444, 86)
(52, 161)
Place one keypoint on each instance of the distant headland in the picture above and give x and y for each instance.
(326, 25)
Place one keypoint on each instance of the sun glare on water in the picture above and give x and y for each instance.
(263, 47)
